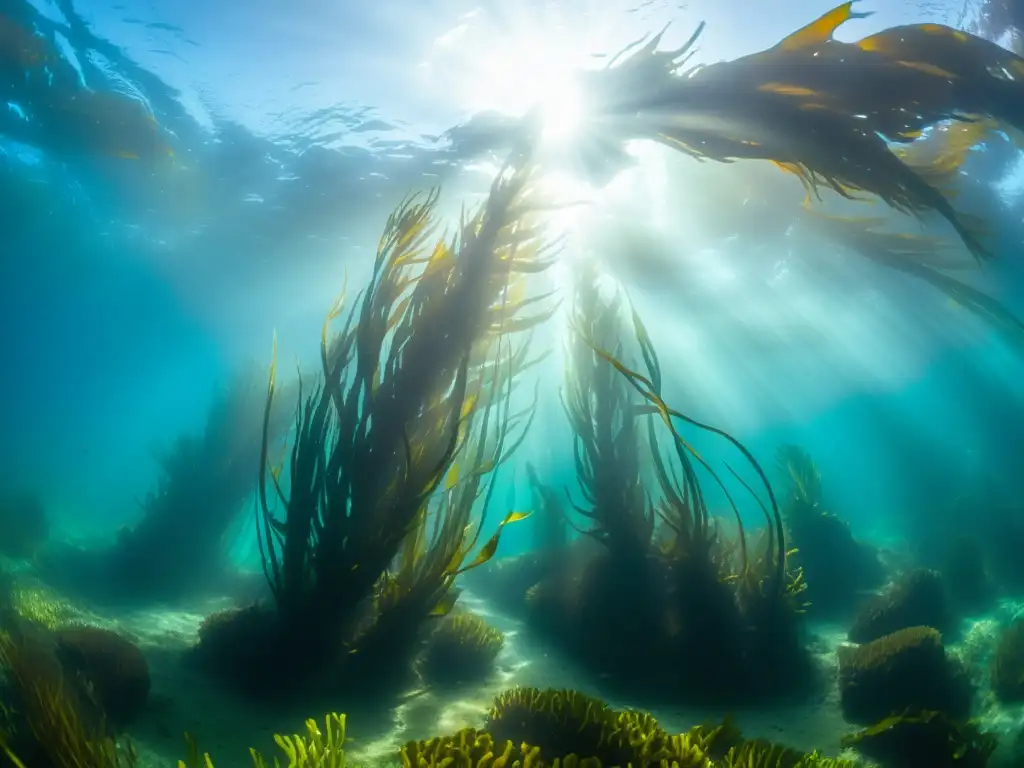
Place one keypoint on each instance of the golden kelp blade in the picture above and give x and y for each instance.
(491, 547)
(821, 29)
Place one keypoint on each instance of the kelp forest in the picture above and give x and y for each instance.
(667, 595)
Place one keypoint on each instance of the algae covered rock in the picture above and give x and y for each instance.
(922, 739)
(916, 599)
(113, 665)
(461, 649)
(907, 670)
(1006, 672)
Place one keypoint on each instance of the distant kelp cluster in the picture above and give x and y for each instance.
(176, 551)
(383, 495)
(837, 568)
(688, 610)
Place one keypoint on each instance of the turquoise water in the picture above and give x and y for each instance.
(187, 187)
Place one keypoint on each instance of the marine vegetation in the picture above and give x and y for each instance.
(836, 567)
(697, 613)
(462, 648)
(24, 526)
(531, 727)
(907, 670)
(916, 598)
(62, 114)
(52, 721)
(832, 126)
(384, 492)
(1006, 671)
(176, 550)
(315, 749)
(924, 738)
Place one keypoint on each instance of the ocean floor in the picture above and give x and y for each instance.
(183, 700)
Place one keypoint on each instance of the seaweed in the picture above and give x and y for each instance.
(315, 748)
(176, 551)
(835, 565)
(908, 669)
(695, 613)
(365, 526)
(60, 726)
(927, 738)
(530, 727)
(462, 648)
(1006, 671)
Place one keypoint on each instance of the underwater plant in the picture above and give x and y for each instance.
(924, 738)
(462, 648)
(697, 615)
(907, 670)
(1006, 670)
(116, 671)
(176, 550)
(790, 104)
(366, 525)
(56, 724)
(531, 727)
(315, 749)
(836, 567)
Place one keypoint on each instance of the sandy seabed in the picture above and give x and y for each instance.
(184, 700)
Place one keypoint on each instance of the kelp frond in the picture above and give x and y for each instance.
(650, 389)
(54, 713)
(600, 408)
(802, 474)
(400, 388)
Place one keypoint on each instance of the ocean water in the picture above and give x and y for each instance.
(219, 518)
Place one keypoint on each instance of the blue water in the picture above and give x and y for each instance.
(143, 267)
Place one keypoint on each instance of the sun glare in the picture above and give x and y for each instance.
(512, 72)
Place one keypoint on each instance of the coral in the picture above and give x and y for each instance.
(916, 599)
(24, 526)
(1006, 671)
(114, 667)
(927, 738)
(908, 669)
(462, 648)
(314, 749)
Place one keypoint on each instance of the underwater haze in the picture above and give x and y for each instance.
(542, 382)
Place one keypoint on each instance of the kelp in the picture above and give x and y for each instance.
(924, 258)
(824, 110)
(649, 387)
(838, 568)
(62, 726)
(600, 408)
(418, 378)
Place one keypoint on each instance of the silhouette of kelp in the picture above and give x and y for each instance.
(177, 550)
(697, 614)
(394, 445)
